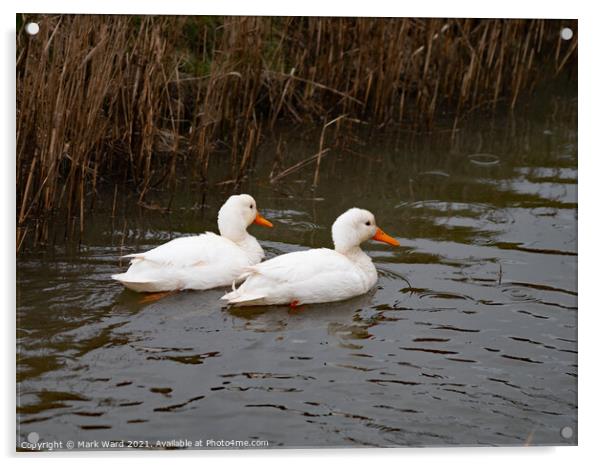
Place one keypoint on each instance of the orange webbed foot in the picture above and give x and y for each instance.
(294, 305)
(154, 297)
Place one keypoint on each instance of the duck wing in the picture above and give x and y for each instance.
(306, 276)
(187, 251)
(197, 262)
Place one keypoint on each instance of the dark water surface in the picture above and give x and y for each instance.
(470, 336)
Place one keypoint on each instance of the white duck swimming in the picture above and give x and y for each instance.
(204, 261)
(317, 275)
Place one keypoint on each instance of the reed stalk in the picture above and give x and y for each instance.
(108, 100)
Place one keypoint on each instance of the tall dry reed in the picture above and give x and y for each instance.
(116, 99)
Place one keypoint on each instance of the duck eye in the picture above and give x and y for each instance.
(368, 223)
(251, 206)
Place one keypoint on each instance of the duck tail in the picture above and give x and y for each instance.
(139, 255)
(139, 284)
(247, 299)
(239, 295)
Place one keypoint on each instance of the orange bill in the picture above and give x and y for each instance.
(384, 238)
(259, 220)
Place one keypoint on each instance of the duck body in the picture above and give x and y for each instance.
(317, 275)
(193, 263)
(305, 277)
(200, 262)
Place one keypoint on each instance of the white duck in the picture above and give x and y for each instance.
(317, 275)
(204, 261)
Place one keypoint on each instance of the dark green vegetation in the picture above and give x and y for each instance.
(131, 101)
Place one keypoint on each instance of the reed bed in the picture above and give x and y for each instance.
(132, 101)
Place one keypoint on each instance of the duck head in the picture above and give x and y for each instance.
(354, 227)
(237, 213)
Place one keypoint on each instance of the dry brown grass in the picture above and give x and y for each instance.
(115, 99)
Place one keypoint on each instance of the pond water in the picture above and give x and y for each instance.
(469, 338)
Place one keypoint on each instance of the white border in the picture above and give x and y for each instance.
(590, 170)
(456, 8)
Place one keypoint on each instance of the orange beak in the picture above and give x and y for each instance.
(384, 238)
(259, 220)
